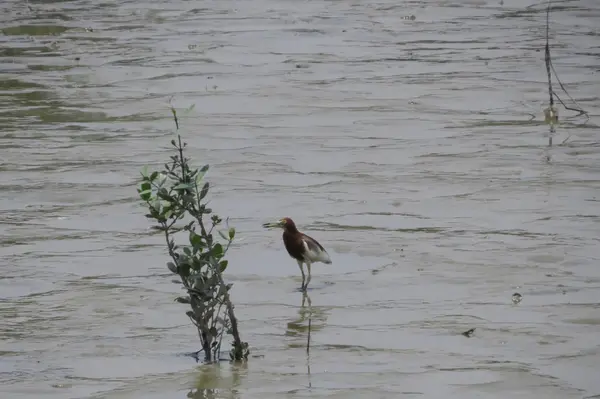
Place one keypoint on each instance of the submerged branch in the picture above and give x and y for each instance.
(547, 55)
(551, 113)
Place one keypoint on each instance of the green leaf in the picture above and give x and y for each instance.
(163, 194)
(184, 270)
(153, 176)
(196, 263)
(146, 195)
(183, 186)
(196, 240)
(183, 299)
(223, 265)
(217, 251)
(187, 251)
(145, 186)
(144, 171)
(172, 267)
(201, 174)
(204, 190)
(231, 233)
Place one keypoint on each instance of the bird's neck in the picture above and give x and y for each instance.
(290, 230)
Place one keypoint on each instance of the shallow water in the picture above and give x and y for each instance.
(414, 150)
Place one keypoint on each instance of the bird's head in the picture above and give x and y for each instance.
(285, 223)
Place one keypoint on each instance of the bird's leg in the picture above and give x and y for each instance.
(303, 277)
(308, 279)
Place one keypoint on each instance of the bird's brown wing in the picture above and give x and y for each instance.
(314, 251)
(313, 244)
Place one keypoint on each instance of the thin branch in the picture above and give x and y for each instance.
(551, 111)
(547, 54)
(218, 352)
(578, 110)
(174, 115)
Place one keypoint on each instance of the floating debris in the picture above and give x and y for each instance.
(61, 385)
(469, 333)
(516, 298)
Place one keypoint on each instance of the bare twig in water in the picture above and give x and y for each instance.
(547, 55)
(551, 114)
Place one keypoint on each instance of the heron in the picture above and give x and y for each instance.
(301, 247)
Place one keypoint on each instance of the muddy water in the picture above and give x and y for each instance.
(414, 149)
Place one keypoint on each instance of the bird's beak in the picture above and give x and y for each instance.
(272, 225)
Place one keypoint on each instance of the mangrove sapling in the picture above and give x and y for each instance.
(175, 198)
